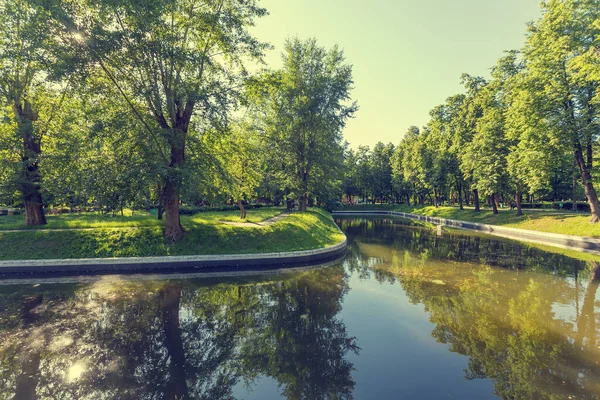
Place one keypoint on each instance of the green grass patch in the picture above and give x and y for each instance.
(543, 221)
(138, 219)
(253, 215)
(205, 235)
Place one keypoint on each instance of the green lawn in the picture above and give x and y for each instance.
(140, 236)
(138, 219)
(543, 221)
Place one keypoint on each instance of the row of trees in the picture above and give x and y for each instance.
(147, 104)
(530, 129)
(128, 103)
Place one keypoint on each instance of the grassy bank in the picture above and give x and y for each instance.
(131, 220)
(141, 236)
(543, 221)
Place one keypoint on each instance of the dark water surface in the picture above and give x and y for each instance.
(406, 314)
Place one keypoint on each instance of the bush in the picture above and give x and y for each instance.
(568, 205)
(532, 205)
(333, 206)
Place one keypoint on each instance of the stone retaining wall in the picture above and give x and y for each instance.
(172, 263)
(579, 243)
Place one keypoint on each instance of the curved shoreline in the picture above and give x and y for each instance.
(569, 242)
(174, 263)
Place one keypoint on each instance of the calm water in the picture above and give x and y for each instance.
(407, 314)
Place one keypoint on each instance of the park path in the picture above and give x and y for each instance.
(266, 222)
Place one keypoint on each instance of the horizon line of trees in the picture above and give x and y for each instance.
(532, 129)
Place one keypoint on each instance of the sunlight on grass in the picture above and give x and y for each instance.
(253, 215)
(206, 234)
(138, 219)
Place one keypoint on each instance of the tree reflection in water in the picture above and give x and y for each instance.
(525, 318)
(175, 340)
(515, 311)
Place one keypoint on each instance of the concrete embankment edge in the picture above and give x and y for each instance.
(174, 263)
(588, 245)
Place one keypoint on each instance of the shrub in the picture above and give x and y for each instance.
(568, 205)
(532, 205)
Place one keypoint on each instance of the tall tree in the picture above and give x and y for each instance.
(485, 155)
(350, 186)
(534, 158)
(240, 156)
(382, 170)
(178, 64)
(414, 163)
(364, 173)
(306, 108)
(466, 124)
(27, 63)
(557, 48)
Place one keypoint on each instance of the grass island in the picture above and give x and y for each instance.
(93, 235)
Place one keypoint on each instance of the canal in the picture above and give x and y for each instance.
(406, 314)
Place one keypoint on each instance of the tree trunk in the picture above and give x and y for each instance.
(586, 180)
(494, 203)
(574, 205)
(242, 209)
(176, 386)
(518, 202)
(435, 198)
(460, 198)
(173, 228)
(30, 180)
(476, 199)
(302, 203)
(160, 211)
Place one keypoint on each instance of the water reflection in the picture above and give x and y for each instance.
(175, 339)
(519, 323)
(529, 322)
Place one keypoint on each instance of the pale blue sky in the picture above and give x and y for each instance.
(407, 55)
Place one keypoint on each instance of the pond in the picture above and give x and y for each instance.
(406, 314)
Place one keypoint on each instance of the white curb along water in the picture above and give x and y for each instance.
(171, 262)
(579, 243)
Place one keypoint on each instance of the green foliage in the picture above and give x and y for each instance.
(303, 111)
(530, 130)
